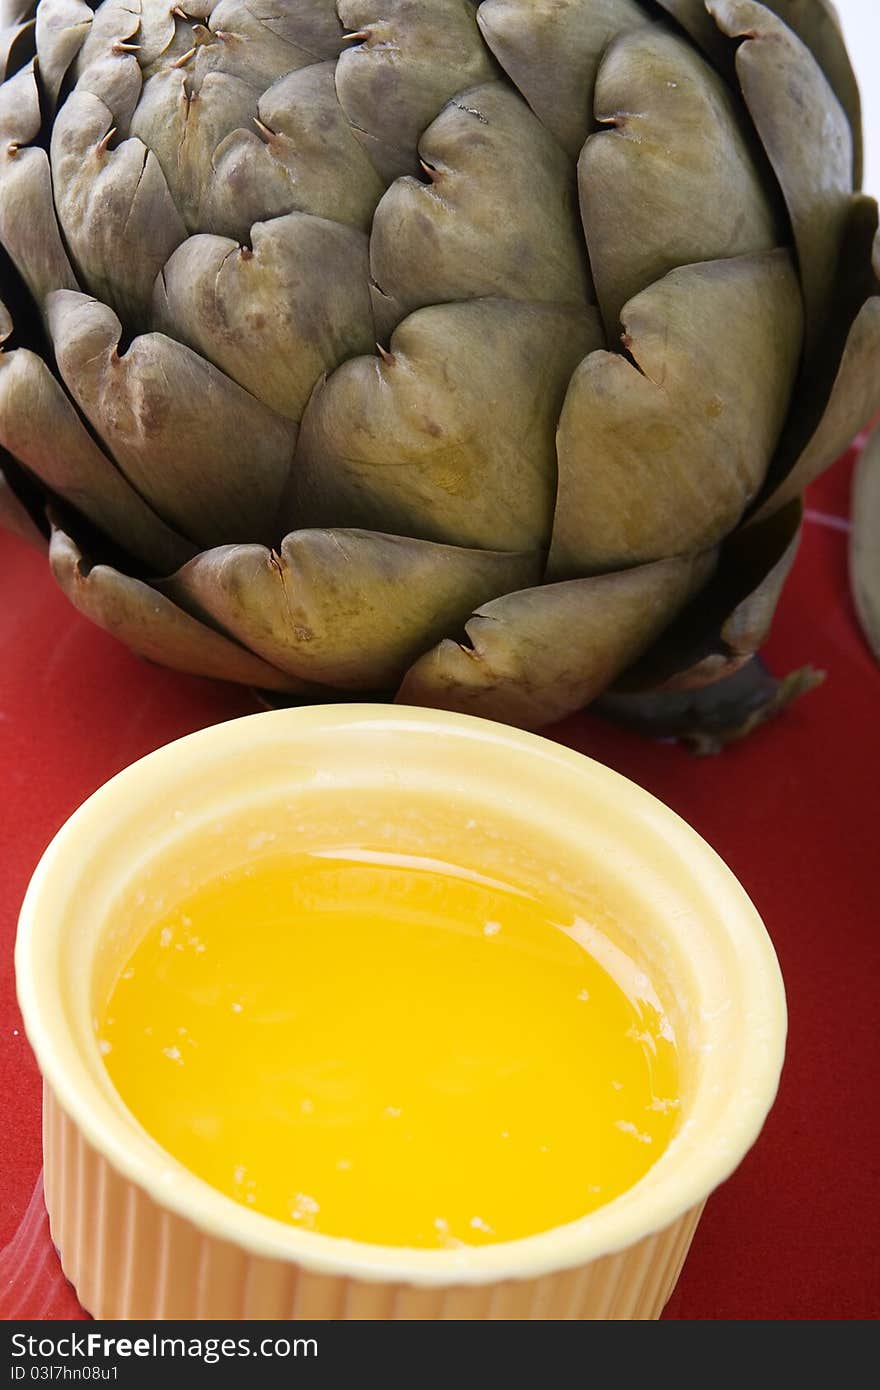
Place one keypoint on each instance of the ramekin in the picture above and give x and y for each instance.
(139, 1236)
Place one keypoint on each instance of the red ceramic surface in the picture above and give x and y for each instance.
(795, 1233)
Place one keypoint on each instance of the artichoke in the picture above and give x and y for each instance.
(475, 355)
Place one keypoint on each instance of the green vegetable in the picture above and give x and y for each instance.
(476, 355)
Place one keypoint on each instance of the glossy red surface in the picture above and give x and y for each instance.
(795, 1233)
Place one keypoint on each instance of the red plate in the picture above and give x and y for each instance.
(795, 1233)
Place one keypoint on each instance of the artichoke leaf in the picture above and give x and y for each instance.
(551, 50)
(817, 24)
(28, 226)
(712, 716)
(697, 23)
(164, 36)
(864, 544)
(415, 56)
(657, 189)
(305, 159)
(117, 82)
(724, 627)
(62, 29)
(110, 201)
(195, 100)
(840, 392)
(14, 515)
(41, 430)
(184, 130)
(349, 609)
(255, 41)
(16, 47)
(855, 398)
(312, 30)
(274, 316)
(769, 552)
(15, 11)
(453, 237)
(208, 457)
(152, 625)
(450, 437)
(114, 26)
(808, 141)
(105, 64)
(20, 117)
(661, 455)
(540, 654)
(260, 41)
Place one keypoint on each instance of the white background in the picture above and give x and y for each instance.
(861, 26)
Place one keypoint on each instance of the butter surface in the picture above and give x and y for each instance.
(392, 1050)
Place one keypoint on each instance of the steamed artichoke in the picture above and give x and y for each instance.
(473, 353)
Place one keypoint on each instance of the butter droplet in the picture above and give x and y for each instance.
(627, 1127)
(304, 1208)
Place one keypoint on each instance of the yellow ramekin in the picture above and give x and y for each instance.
(141, 1237)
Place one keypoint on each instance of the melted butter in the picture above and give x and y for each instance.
(392, 1050)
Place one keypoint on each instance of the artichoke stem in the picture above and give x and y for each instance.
(709, 718)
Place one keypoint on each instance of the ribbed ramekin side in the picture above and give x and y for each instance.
(129, 1258)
